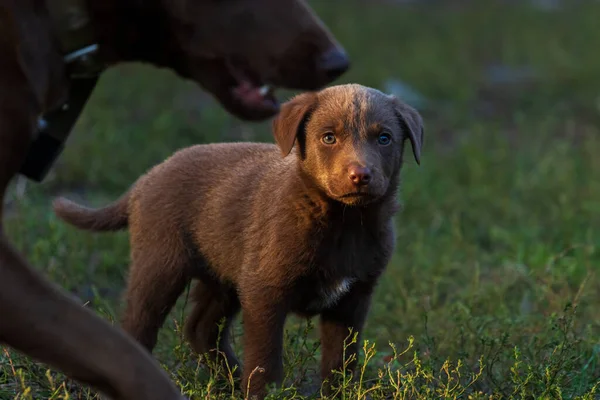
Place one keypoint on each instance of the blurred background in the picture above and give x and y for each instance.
(497, 253)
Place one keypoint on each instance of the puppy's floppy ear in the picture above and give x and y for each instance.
(412, 125)
(290, 120)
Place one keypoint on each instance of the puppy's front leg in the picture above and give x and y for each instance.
(350, 312)
(264, 318)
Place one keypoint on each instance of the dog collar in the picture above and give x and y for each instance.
(73, 27)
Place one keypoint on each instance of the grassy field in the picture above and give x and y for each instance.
(494, 291)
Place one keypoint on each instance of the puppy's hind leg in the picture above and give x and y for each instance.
(156, 280)
(215, 304)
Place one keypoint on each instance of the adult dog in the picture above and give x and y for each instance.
(52, 53)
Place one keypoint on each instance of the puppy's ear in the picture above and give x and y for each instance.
(412, 125)
(291, 119)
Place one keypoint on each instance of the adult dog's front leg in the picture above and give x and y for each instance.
(38, 319)
(264, 319)
(338, 350)
(42, 322)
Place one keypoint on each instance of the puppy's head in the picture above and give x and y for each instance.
(350, 140)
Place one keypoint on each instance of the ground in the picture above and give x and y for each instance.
(494, 291)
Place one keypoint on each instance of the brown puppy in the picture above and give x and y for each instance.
(308, 233)
(51, 53)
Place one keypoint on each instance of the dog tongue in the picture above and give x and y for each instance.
(254, 97)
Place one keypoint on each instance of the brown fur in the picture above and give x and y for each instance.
(280, 42)
(264, 233)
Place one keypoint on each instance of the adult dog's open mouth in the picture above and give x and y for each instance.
(250, 92)
(246, 87)
(257, 97)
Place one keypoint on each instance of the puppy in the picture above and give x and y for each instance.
(267, 230)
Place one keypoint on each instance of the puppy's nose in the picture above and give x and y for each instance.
(334, 62)
(360, 176)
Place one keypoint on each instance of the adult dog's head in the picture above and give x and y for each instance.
(238, 50)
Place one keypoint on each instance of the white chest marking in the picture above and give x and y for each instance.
(329, 296)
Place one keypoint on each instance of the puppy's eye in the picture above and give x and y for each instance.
(328, 138)
(384, 139)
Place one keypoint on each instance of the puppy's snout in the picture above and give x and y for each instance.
(359, 176)
(334, 62)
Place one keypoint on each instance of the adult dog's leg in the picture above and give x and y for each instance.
(42, 322)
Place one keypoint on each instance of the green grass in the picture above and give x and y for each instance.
(494, 291)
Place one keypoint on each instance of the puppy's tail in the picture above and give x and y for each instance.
(112, 217)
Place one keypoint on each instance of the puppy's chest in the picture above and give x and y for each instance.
(338, 266)
(350, 254)
(327, 295)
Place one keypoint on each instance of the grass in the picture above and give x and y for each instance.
(494, 289)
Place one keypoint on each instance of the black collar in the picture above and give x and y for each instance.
(73, 27)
